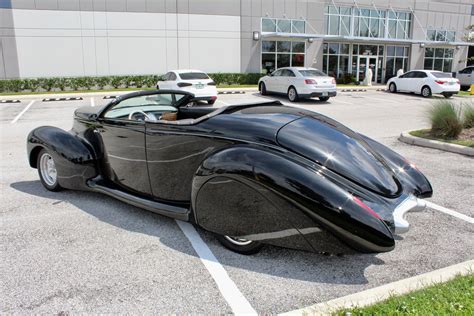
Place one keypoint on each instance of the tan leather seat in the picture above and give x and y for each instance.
(169, 116)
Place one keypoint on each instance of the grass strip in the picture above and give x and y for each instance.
(425, 133)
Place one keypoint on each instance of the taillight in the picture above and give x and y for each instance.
(310, 81)
(333, 81)
(212, 83)
(457, 81)
(440, 81)
(184, 84)
(365, 206)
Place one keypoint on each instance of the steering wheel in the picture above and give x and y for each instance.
(131, 116)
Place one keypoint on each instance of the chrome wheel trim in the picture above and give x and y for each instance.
(48, 169)
(392, 87)
(425, 92)
(292, 94)
(238, 241)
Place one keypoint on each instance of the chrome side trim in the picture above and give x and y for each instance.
(410, 204)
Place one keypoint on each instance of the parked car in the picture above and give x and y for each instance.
(298, 83)
(251, 174)
(466, 77)
(194, 81)
(425, 82)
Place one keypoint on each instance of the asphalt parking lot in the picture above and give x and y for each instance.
(84, 252)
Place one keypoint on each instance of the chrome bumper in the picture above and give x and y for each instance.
(410, 204)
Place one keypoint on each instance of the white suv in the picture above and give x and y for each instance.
(466, 77)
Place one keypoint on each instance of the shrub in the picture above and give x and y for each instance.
(445, 120)
(47, 83)
(116, 82)
(31, 84)
(101, 82)
(61, 83)
(468, 117)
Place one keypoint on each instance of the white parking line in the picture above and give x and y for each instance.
(450, 212)
(236, 300)
(92, 102)
(22, 112)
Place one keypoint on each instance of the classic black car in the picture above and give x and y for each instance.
(251, 174)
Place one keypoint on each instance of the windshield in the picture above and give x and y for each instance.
(312, 73)
(193, 76)
(442, 74)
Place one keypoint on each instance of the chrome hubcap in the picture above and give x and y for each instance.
(426, 92)
(48, 169)
(292, 94)
(238, 241)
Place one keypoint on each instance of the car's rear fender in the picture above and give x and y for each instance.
(413, 181)
(246, 191)
(75, 161)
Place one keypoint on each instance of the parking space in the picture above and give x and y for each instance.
(84, 252)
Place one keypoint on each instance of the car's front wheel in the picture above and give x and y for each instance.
(426, 92)
(47, 171)
(239, 245)
(262, 88)
(392, 87)
(292, 94)
(324, 99)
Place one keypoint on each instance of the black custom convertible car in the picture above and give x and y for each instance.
(251, 174)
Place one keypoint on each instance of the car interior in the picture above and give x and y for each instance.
(158, 108)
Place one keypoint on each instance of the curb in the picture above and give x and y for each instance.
(381, 293)
(62, 99)
(405, 137)
(10, 101)
(231, 92)
(353, 90)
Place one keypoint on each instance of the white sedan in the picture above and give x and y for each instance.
(194, 81)
(298, 83)
(425, 82)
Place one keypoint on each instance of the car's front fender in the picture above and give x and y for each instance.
(74, 159)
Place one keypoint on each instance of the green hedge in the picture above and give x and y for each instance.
(99, 83)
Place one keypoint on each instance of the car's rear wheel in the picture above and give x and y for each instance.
(426, 92)
(447, 95)
(47, 171)
(262, 88)
(392, 87)
(211, 102)
(239, 245)
(292, 94)
(324, 99)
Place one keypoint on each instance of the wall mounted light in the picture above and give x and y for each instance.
(256, 35)
(458, 47)
(310, 40)
(422, 45)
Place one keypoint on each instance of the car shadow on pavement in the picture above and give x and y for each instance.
(276, 261)
(284, 99)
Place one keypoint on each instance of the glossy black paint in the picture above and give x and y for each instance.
(265, 172)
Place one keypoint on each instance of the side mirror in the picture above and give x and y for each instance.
(93, 117)
(270, 74)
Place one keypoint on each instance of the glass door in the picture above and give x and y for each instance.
(363, 64)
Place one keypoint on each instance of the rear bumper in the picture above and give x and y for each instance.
(319, 94)
(446, 89)
(410, 204)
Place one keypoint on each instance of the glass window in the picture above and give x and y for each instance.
(312, 73)
(450, 36)
(439, 59)
(268, 62)
(431, 35)
(277, 54)
(297, 60)
(152, 105)
(345, 49)
(298, 47)
(283, 60)
(297, 26)
(336, 59)
(193, 76)
(334, 48)
(268, 25)
(442, 74)
(284, 47)
(268, 46)
(284, 26)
